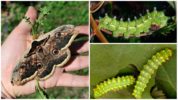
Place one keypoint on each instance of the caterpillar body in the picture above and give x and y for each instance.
(113, 84)
(149, 69)
(135, 27)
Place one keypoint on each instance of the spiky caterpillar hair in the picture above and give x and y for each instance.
(135, 27)
(149, 69)
(113, 84)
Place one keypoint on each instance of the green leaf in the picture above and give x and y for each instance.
(40, 93)
(172, 4)
(166, 77)
(109, 60)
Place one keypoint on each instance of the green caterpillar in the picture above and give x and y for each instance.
(135, 27)
(113, 84)
(149, 69)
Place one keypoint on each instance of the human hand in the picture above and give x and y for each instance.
(15, 45)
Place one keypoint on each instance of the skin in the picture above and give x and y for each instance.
(14, 47)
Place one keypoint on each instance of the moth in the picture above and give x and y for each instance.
(149, 69)
(47, 52)
(113, 84)
(151, 21)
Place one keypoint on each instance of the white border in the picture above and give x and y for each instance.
(102, 43)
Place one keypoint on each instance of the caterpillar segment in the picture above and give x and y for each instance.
(149, 69)
(113, 85)
(136, 27)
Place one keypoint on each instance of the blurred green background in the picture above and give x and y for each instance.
(107, 61)
(61, 12)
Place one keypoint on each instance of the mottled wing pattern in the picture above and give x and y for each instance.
(25, 70)
(44, 55)
(48, 66)
(64, 35)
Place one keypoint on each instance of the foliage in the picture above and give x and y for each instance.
(113, 60)
(40, 92)
(61, 12)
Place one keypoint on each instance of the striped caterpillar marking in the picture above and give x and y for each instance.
(135, 27)
(113, 84)
(149, 69)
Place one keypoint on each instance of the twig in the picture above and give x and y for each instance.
(96, 7)
(97, 31)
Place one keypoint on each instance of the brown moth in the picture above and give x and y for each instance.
(47, 52)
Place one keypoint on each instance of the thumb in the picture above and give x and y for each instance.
(14, 46)
(21, 36)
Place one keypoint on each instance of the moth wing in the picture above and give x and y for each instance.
(49, 68)
(35, 44)
(25, 70)
(64, 35)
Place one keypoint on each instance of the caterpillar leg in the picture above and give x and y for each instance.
(149, 69)
(113, 84)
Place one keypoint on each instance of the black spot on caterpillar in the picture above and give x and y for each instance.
(113, 84)
(150, 21)
(149, 69)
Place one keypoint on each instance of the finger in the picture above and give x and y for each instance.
(52, 80)
(83, 29)
(14, 90)
(84, 48)
(79, 62)
(64, 79)
(73, 80)
(25, 89)
(17, 41)
(25, 27)
(79, 47)
(18, 36)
